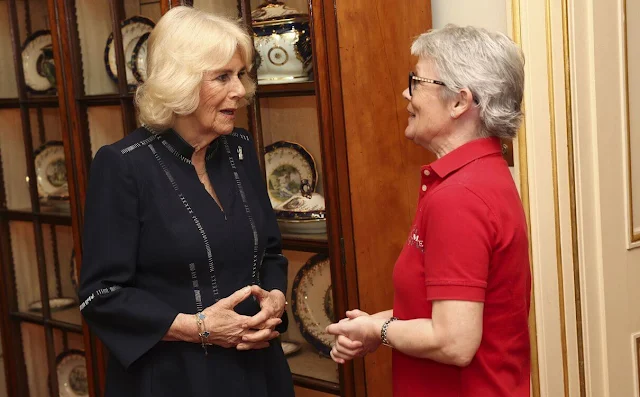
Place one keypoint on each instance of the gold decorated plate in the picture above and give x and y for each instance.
(51, 171)
(312, 302)
(289, 166)
(72, 374)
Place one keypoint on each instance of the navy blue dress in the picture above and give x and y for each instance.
(156, 244)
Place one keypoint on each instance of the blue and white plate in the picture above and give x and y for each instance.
(132, 31)
(37, 62)
(139, 59)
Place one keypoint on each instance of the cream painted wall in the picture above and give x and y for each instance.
(611, 270)
(488, 14)
(633, 70)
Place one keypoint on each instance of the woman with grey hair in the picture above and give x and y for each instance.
(459, 323)
(179, 232)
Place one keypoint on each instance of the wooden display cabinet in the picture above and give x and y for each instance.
(41, 324)
(350, 118)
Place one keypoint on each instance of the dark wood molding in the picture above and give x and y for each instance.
(328, 88)
(166, 5)
(15, 368)
(316, 384)
(77, 150)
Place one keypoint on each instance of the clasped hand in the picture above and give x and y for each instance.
(230, 329)
(356, 335)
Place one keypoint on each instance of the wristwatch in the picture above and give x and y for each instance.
(383, 331)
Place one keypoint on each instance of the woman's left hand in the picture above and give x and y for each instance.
(272, 304)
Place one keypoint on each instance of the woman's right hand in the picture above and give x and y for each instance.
(226, 327)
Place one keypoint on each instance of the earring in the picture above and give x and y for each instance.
(453, 116)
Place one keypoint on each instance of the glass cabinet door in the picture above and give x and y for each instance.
(39, 284)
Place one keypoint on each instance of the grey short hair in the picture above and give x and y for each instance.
(489, 64)
(184, 45)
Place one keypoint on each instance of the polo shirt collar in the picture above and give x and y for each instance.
(465, 154)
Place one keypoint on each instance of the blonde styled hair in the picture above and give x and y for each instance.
(184, 45)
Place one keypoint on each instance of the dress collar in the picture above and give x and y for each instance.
(183, 148)
(465, 154)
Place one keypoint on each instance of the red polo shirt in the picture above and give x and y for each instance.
(468, 242)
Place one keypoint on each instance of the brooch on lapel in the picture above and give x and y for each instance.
(240, 155)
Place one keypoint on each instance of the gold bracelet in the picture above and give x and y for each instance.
(202, 331)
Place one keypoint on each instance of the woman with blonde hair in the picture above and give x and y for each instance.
(183, 277)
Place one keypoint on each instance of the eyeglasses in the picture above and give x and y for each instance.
(413, 79)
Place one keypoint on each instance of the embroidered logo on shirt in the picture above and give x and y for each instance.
(415, 241)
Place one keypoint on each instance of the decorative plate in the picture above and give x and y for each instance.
(312, 302)
(302, 226)
(300, 207)
(288, 166)
(73, 272)
(37, 62)
(72, 374)
(139, 59)
(132, 31)
(51, 171)
(55, 304)
(290, 347)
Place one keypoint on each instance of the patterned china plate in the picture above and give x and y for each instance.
(139, 59)
(288, 165)
(290, 347)
(55, 304)
(303, 226)
(51, 171)
(312, 302)
(132, 31)
(72, 374)
(37, 62)
(302, 208)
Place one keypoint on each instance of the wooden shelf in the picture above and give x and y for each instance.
(50, 101)
(105, 99)
(290, 89)
(48, 217)
(9, 103)
(316, 384)
(307, 243)
(47, 101)
(57, 324)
